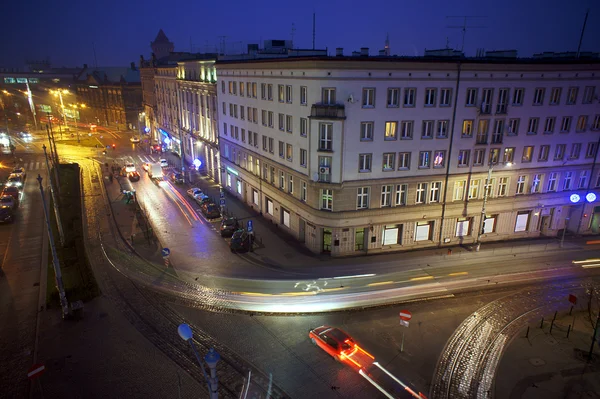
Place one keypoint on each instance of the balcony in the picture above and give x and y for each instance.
(328, 111)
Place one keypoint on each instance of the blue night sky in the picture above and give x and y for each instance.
(122, 30)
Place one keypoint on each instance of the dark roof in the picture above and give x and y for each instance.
(111, 75)
(161, 37)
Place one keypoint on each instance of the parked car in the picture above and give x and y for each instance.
(204, 199)
(130, 167)
(7, 201)
(135, 140)
(146, 166)
(194, 192)
(19, 171)
(164, 163)
(176, 178)
(240, 241)
(134, 176)
(15, 180)
(7, 215)
(229, 226)
(11, 191)
(210, 210)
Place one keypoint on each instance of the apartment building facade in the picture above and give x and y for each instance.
(372, 154)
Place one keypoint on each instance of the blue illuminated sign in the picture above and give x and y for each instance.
(590, 197)
(197, 163)
(168, 140)
(232, 171)
(147, 129)
(163, 133)
(574, 198)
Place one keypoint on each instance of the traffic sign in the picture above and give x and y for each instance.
(222, 201)
(249, 226)
(404, 323)
(221, 193)
(573, 299)
(165, 252)
(36, 370)
(405, 315)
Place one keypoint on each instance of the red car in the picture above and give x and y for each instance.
(340, 346)
(11, 191)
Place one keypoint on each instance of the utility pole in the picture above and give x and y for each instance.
(464, 27)
(61, 232)
(582, 32)
(314, 24)
(54, 158)
(57, 273)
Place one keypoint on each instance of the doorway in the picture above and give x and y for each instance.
(360, 239)
(301, 230)
(327, 240)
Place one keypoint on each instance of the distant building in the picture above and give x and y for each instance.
(113, 96)
(161, 46)
(360, 154)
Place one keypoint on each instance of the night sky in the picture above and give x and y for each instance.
(122, 30)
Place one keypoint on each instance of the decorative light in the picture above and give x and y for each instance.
(574, 198)
(147, 129)
(590, 197)
(168, 140)
(197, 163)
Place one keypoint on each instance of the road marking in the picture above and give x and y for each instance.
(333, 289)
(380, 283)
(421, 278)
(252, 294)
(458, 274)
(355, 276)
(304, 293)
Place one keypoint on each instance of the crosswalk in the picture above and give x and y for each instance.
(31, 165)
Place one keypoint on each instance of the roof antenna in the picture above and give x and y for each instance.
(95, 58)
(464, 27)
(582, 32)
(314, 30)
(293, 33)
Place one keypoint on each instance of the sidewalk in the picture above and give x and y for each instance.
(276, 247)
(548, 365)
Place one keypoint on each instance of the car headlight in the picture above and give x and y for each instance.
(18, 184)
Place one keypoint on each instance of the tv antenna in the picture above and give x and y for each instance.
(464, 26)
(293, 33)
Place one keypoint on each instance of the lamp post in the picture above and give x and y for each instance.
(55, 263)
(211, 359)
(59, 93)
(61, 233)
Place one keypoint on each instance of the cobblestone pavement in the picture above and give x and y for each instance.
(143, 309)
(467, 365)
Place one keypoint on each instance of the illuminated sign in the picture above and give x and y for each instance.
(21, 80)
(574, 198)
(590, 197)
(93, 87)
(147, 129)
(34, 80)
(197, 163)
(232, 171)
(45, 108)
(167, 140)
(9, 80)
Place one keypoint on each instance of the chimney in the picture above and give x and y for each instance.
(382, 53)
(133, 66)
(364, 51)
(339, 52)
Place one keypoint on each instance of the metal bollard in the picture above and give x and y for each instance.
(568, 330)
(527, 333)
(542, 324)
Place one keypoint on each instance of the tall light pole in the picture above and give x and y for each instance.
(31, 105)
(59, 93)
(211, 359)
(55, 263)
(61, 233)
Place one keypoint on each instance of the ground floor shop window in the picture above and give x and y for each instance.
(522, 221)
(359, 239)
(285, 217)
(326, 240)
(228, 180)
(269, 206)
(489, 224)
(392, 234)
(463, 227)
(239, 186)
(255, 197)
(424, 231)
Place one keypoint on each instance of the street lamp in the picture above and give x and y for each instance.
(211, 359)
(59, 93)
(487, 187)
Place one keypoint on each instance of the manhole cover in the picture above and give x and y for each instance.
(536, 361)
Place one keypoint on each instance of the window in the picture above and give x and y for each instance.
(459, 190)
(597, 181)
(410, 97)
(588, 94)
(303, 127)
(242, 112)
(474, 189)
(273, 177)
(583, 179)
(362, 198)
(509, 155)
(386, 196)
(368, 98)
(421, 193)
(327, 199)
(518, 96)
(467, 128)
(244, 136)
(581, 123)
(224, 108)
(406, 130)
(291, 184)
(568, 180)
(445, 97)
(544, 151)
(549, 125)
(328, 96)
(538, 96)
(393, 98)
(303, 158)
(271, 144)
(502, 101)
(486, 101)
(434, 191)
(391, 130)
(364, 163)
(575, 151)
(527, 154)
(498, 131)
(478, 157)
(427, 132)
(242, 86)
(392, 234)
(463, 158)
(289, 152)
(442, 129)
(532, 127)
(522, 221)
(555, 95)
(502, 186)
(521, 185)
(249, 137)
(424, 159)
(281, 122)
(565, 125)
(552, 179)
(263, 91)
(288, 94)
(482, 131)
(572, 95)
(264, 141)
(223, 86)
(494, 156)
(559, 154)
(225, 129)
(303, 95)
(430, 97)
(264, 117)
(513, 127)
(303, 191)
(596, 124)
(403, 160)
(401, 193)
(389, 161)
(366, 131)
(281, 93)
(281, 149)
(270, 92)
(471, 99)
(325, 136)
(288, 123)
(439, 159)
(591, 150)
(536, 183)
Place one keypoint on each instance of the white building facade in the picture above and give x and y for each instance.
(167, 121)
(371, 154)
